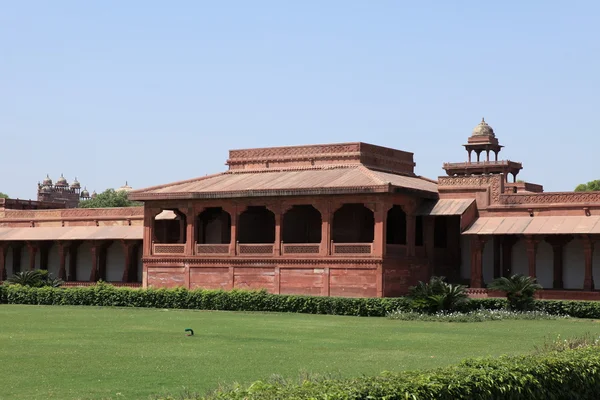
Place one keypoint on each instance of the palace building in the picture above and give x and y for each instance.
(348, 219)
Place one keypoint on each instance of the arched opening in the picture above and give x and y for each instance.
(256, 225)
(353, 223)
(301, 224)
(213, 226)
(169, 227)
(396, 226)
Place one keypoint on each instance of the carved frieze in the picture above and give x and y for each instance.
(494, 182)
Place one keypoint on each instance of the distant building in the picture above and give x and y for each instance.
(61, 192)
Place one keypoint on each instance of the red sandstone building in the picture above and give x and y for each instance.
(349, 219)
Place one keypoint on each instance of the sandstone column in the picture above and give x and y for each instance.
(588, 248)
(477, 246)
(532, 244)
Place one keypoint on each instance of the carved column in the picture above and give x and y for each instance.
(532, 244)
(325, 210)
(127, 250)
(73, 261)
(379, 235)
(429, 241)
(190, 244)
(411, 226)
(278, 211)
(477, 245)
(558, 244)
(233, 214)
(3, 248)
(588, 248)
(94, 252)
(33, 248)
(149, 214)
(62, 260)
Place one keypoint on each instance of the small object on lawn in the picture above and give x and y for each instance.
(190, 331)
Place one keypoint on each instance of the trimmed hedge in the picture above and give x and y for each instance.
(572, 374)
(241, 300)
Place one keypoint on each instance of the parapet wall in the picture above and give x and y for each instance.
(72, 217)
(328, 154)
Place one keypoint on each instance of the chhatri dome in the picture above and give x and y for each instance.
(483, 129)
(62, 182)
(75, 184)
(47, 181)
(124, 188)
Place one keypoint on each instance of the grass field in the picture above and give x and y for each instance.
(91, 352)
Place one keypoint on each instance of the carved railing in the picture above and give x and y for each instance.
(301, 248)
(396, 250)
(481, 163)
(343, 249)
(551, 198)
(168, 248)
(247, 249)
(213, 249)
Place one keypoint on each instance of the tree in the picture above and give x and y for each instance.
(519, 291)
(109, 198)
(591, 186)
(3, 196)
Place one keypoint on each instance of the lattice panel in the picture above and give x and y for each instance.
(301, 248)
(352, 248)
(169, 248)
(212, 249)
(256, 249)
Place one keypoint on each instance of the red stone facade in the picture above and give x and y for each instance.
(349, 219)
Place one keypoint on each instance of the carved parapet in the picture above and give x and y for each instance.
(495, 183)
(551, 198)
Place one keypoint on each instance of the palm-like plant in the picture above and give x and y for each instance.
(25, 278)
(437, 295)
(519, 290)
(36, 278)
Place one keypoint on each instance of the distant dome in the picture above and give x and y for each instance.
(94, 194)
(85, 194)
(47, 181)
(483, 129)
(75, 184)
(46, 189)
(62, 182)
(124, 188)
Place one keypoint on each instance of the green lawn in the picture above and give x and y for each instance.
(93, 352)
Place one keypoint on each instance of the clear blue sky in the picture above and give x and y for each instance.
(154, 91)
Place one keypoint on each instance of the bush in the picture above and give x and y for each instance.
(437, 295)
(519, 291)
(104, 294)
(36, 278)
(569, 374)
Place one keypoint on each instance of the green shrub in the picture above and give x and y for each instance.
(437, 295)
(519, 291)
(36, 278)
(569, 374)
(104, 294)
